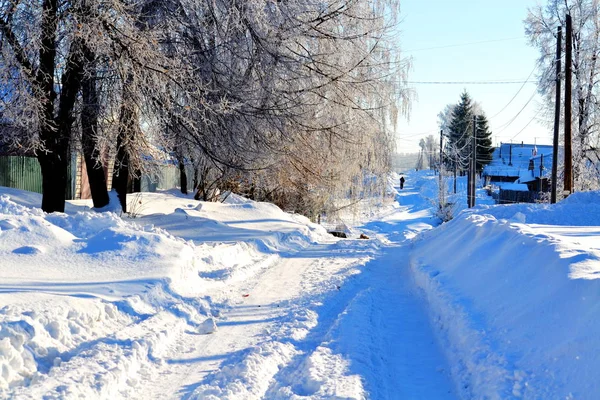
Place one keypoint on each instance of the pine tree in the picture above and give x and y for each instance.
(461, 128)
(484, 143)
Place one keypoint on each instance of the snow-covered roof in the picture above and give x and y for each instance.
(521, 161)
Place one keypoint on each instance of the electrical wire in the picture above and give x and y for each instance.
(530, 121)
(503, 127)
(518, 91)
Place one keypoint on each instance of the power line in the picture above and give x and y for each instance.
(516, 94)
(532, 119)
(405, 137)
(506, 125)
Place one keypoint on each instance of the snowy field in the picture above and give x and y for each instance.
(240, 300)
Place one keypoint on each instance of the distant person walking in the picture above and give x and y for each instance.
(401, 182)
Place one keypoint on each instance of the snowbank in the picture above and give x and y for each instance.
(514, 296)
(89, 301)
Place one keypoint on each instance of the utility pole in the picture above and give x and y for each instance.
(473, 164)
(442, 197)
(455, 167)
(568, 113)
(541, 174)
(556, 117)
(469, 177)
(474, 156)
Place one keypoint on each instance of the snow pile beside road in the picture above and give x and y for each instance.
(514, 296)
(90, 301)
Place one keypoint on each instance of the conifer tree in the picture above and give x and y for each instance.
(461, 128)
(484, 143)
(458, 148)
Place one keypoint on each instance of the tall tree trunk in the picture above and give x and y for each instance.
(182, 173)
(121, 175)
(52, 160)
(128, 126)
(195, 177)
(54, 179)
(56, 131)
(183, 177)
(89, 126)
(136, 182)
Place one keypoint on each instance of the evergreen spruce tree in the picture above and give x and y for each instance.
(484, 143)
(461, 128)
(460, 133)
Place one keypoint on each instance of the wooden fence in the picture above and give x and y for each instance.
(515, 196)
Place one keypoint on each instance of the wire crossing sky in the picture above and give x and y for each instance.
(478, 46)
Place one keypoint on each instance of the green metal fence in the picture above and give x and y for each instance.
(24, 173)
(21, 173)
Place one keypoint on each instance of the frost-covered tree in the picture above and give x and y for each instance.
(445, 117)
(312, 90)
(432, 148)
(459, 121)
(91, 54)
(293, 97)
(485, 149)
(540, 27)
(460, 131)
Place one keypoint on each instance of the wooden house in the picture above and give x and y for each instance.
(525, 165)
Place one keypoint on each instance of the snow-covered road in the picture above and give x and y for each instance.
(214, 301)
(333, 320)
(500, 302)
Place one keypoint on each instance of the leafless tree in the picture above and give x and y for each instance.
(540, 27)
(294, 98)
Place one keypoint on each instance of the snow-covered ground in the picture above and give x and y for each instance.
(514, 296)
(240, 300)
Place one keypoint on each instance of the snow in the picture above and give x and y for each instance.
(514, 294)
(240, 300)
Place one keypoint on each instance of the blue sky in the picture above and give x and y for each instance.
(465, 41)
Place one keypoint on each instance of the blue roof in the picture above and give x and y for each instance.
(516, 160)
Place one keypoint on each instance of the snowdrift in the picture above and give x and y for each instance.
(87, 298)
(514, 297)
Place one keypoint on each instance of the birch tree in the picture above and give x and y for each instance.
(297, 98)
(540, 27)
(49, 49)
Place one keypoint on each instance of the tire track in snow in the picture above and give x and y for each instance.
(374, 340)
(253, 339)
(332, 320)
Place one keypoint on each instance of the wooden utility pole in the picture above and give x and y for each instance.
(556, 116)
(442, 197)
(473, 164)
(541, 174)
(455, 167)
(568, 109)
(469, 177)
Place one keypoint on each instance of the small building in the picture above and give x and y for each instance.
(527, 165)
